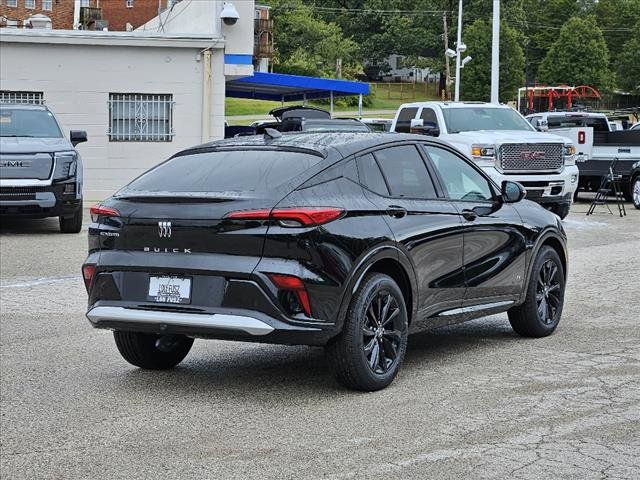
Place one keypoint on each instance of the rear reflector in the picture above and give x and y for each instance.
(88, 272)
(293, 284)
(291, 217)
(100, 211)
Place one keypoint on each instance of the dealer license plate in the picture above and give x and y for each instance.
(169, 289)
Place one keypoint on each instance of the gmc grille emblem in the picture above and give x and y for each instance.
(14, 163)
(164, 229)
(532, 155)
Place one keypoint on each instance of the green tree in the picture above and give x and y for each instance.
(476, 75)
(616, 18)
(628, 63)
(305, 44)
(543, 21)
(579, 56)
(385, 27)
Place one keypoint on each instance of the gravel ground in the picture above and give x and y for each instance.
(471, 401)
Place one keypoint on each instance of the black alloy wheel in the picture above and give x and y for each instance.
(635, 192)
(539, 314)
(548, 291)
(381, 332)
(368, 353)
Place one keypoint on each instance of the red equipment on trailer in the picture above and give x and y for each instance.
(550, 93)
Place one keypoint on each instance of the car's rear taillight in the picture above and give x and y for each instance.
(98, 211)
(88, 272)
(292, 216)
(298, 300)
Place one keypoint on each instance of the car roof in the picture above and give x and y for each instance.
(23, 106)
(323, 143)
(455, 104)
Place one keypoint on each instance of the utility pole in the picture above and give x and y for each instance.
(495, 53)
(446, 57)
(526, 77)
(458, 45)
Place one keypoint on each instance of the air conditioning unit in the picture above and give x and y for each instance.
(102, 25)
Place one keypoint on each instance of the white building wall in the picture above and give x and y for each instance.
(77, 79)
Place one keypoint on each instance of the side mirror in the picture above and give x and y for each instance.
(542, 126)
(418, 125)
(512, 192)
(77, 136)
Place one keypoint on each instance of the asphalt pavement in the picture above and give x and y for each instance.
(471, 401)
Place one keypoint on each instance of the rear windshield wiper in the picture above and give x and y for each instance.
(25, 136)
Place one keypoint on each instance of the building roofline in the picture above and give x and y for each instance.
(90, 37)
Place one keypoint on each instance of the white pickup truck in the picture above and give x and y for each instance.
(597, 144)
(503, 144)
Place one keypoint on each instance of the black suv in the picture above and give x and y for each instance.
(343, 240)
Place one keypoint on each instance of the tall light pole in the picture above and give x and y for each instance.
(495, 53)
(459, 49)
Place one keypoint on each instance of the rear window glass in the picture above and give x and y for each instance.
(256, 171)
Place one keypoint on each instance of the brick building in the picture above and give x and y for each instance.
(13, 13)
(86, 14)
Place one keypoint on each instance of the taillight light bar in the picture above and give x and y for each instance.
(292, 216)
(88, 272)
(101, 211)
(293, 284)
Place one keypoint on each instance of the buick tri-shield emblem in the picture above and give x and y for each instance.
(164, 229)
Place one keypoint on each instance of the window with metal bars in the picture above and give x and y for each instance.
(140, 117)
(8, 96)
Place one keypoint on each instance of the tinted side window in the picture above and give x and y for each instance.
(370, 175)
(461, 180)
(429, 115)
(404, 119)
(405, 172)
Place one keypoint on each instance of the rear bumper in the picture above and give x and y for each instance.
(220, 323)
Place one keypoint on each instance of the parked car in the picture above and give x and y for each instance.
(598, 145)
(378, 124)
(341, 240)
(40, 169)
(635, 184)
(503, 144)
(303, 119)
(635, 126)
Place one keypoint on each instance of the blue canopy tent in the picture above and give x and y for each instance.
(287, 88)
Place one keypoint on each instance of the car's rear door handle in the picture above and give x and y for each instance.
(469, 215)
(396, 211)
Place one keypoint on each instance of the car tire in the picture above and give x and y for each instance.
(72, 224)
(144, 350)
(561, 210)
(634, 190)
(540, 313)
(368, 353)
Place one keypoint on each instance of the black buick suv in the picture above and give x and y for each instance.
(346, 240)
